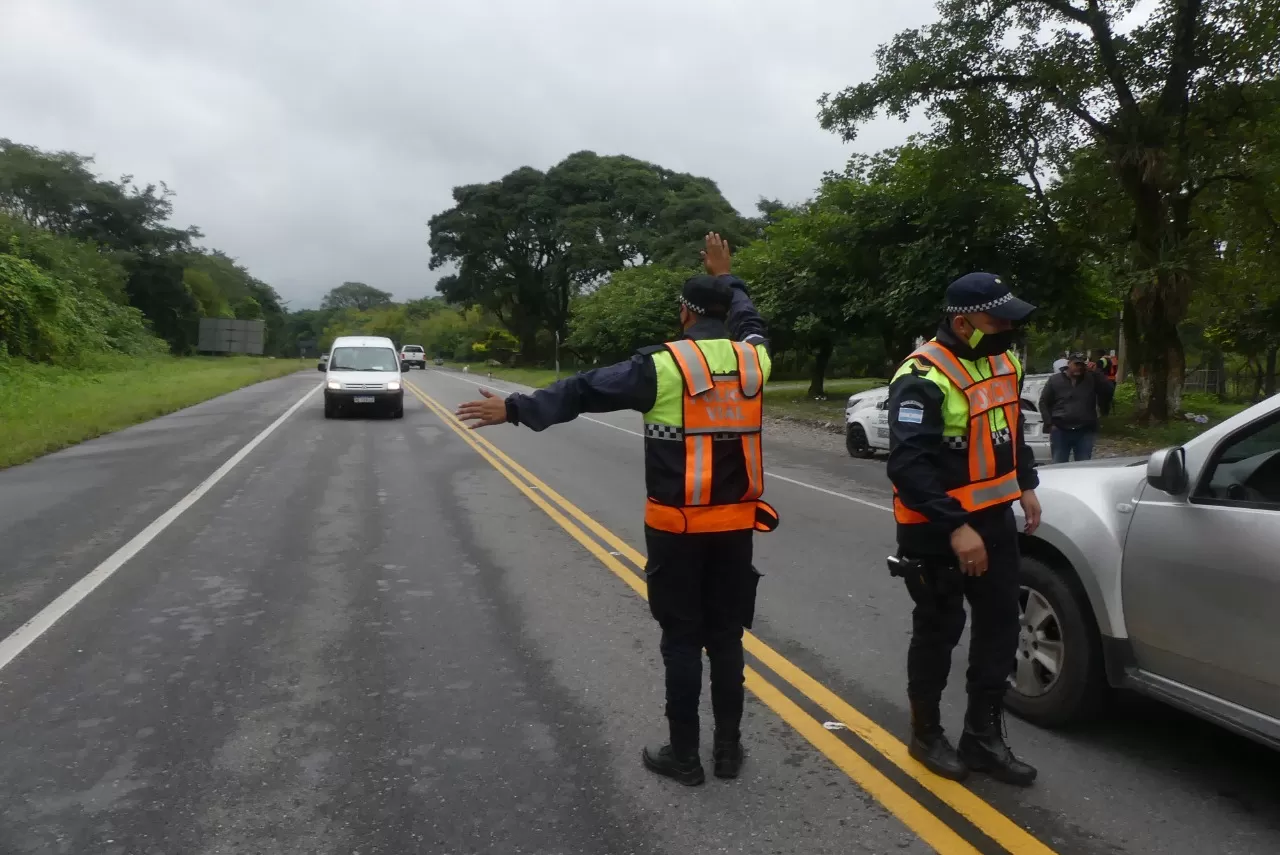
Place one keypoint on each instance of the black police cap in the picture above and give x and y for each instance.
(708, 296)
(985, 292)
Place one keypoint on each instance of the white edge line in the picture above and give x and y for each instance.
(22, 637)
(846, 496)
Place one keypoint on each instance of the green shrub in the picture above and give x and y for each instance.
(46, 320)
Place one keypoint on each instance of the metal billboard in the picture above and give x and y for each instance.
(227, 335)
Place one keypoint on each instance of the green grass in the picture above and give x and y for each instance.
(1122, 428)
(789, 398)
(535, 377)
(44, 408)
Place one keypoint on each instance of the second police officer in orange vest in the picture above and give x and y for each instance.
(704, 472)
(958, 461)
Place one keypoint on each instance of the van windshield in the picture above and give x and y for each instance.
(363, 359)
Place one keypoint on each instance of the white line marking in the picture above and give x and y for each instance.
(25, 635)
(824, 490)
(866, 502)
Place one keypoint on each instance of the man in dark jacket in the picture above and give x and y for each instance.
(1070, 404)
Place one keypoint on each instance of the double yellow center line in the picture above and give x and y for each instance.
(991, 826)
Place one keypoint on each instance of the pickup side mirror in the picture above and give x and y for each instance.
(320, 367)
(1167, 471)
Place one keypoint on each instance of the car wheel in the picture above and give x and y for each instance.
(855, 440)
(1059, 677)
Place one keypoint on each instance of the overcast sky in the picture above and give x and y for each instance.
(313, 139)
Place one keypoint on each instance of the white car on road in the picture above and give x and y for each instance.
(866, 419)
(413, 354)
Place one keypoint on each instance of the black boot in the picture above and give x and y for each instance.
(728, 756)
(982, 745)
(929, 745)
(683, 767)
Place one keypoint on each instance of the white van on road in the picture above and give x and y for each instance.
(363, 372)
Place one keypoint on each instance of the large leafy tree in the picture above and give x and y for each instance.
(526, 245)
(872, 252)
(58, 191)
(635, 308)
(354, 295)
(1035, 79)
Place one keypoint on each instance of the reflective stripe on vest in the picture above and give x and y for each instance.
(716, 409)
(986, 488)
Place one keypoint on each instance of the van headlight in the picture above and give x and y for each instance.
(334, 384)
(393, 386)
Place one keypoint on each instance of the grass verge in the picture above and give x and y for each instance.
(1121, 428)
(538, 378)
(791, 399)
(44, 407)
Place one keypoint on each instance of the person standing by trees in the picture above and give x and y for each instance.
(701, 397)
(1070, 403)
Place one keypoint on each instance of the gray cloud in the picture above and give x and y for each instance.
(313, 140)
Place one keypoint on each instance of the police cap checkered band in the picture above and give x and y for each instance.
(693, 307)
(708, 296)
(986, 293)
(979, 307)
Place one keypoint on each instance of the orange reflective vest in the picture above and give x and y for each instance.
(713, 479)
(988, 483)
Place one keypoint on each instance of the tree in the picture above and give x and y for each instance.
(1035, 79)
(58, 191)
(526, 245)
(796, 289)
(248, 309)
(871, 254)
(634, 308)
(156, 287)
(354, 295)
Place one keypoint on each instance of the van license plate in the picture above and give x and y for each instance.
(368, 399)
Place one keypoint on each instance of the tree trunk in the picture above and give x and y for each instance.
(1219, 368)
(821, 359)
(528, 345)
(1158, 297)
(1271, 371)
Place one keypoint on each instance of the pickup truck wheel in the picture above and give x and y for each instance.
(855, 440)
(1059, 677)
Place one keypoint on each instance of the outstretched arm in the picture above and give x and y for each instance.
(629, 385)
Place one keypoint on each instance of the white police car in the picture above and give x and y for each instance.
(866, 422)
(866, 419)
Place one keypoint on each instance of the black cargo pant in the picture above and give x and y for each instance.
(702, 592)
(938, 618)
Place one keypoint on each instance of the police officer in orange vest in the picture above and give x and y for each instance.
(701, 397)
(958, 461)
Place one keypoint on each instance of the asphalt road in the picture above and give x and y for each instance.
(381, 636)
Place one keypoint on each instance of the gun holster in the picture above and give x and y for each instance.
(926, 580)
